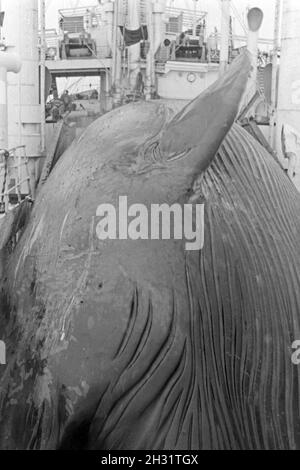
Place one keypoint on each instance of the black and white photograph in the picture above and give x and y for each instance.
(149, 228)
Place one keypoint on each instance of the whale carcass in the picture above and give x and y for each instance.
(141, 344)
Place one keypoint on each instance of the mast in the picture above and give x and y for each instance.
(134, 51)
(288, 109)
(116, 55)
(195, 17)
(225, 33)
(0, 24)
(150, 58)
(43, 74)
(274, 72)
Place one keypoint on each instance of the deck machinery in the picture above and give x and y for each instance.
(76, 41)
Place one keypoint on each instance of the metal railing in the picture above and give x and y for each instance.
(188, 19)
(80, 11)
(13, 168)
(92, 15)
(188, 16)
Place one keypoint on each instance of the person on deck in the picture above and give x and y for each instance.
(67, 101)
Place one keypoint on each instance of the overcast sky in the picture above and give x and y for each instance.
(211, 6)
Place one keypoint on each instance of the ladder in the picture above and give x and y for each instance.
(13, 168)
(260, 81)
(142, 12)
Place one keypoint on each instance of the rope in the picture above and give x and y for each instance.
(5, 154)
(237, 16)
